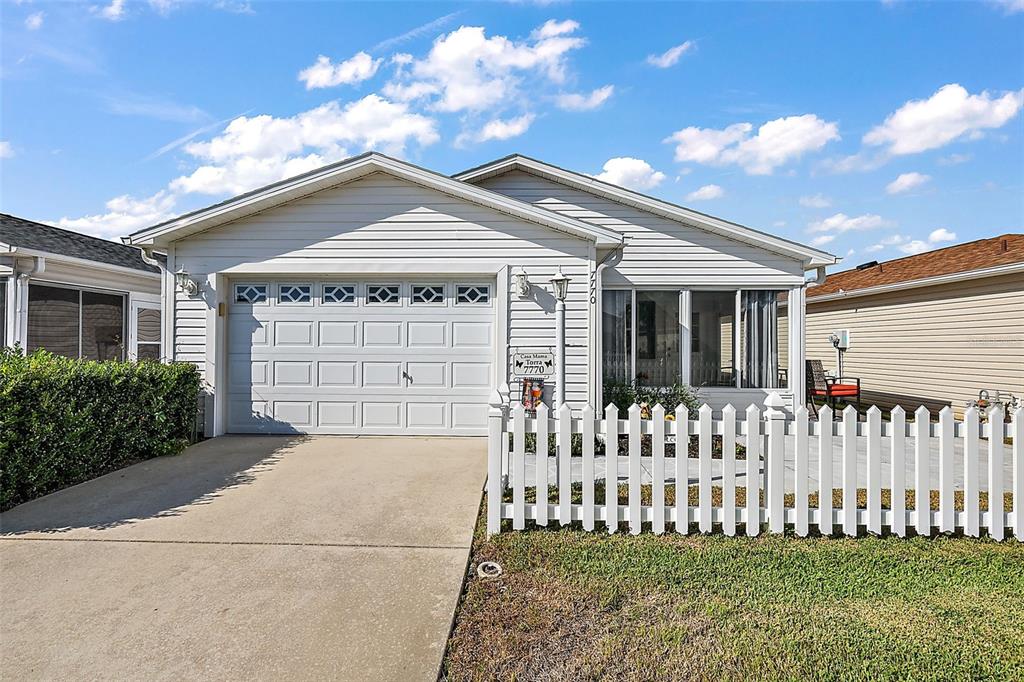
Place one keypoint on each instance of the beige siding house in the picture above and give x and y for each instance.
(933, 329)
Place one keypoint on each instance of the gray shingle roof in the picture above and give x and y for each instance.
(29, 234)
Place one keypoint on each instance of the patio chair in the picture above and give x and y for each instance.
(829, 388)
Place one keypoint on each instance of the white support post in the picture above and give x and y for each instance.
(495, 456)
(797, 307)
(685, 319)
(775, 427)
(737, 340)
(559, 354)
(996, 522)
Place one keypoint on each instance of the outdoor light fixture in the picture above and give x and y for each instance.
(559, 285)
(522, 283)
(187, 284)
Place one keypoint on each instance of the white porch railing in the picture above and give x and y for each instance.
(777, 477)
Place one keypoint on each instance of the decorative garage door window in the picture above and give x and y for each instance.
(295, 293)
(427, 293)
(382, 293)
(250, 293)
(339, 293)
(473, 294)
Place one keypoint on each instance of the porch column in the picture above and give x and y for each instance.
(797, 305)
(685, 316)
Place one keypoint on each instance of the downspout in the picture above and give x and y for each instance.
(819, 278)
(166, 301)
(21, 293)
(613, 258)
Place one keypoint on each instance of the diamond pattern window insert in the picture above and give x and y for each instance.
(428, 293)
(473, 294)
(250, 293)
(295, 293)
(339, 293)
(382, 293)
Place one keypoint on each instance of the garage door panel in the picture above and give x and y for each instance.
(323, 367)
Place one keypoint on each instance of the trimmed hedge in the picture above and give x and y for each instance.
(65, 421)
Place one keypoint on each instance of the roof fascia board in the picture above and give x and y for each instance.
(951, 278)
(811, 257)
(308, 184)
(85, 262)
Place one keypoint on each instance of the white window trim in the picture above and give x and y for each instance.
(444, 294)
(312, 294)
(351, 285)
(133, 329)
(366, 293)
(487, 287)
(234, 293)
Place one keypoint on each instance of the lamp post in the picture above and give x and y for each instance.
(559, 287)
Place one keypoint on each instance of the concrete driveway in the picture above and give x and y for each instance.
(246, 558)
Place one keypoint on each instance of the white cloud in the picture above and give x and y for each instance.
(671, 56)
(127, 103)
(467, 71)
(6, 150)
(949, 114)
(775, 144)
(163, 7)
(941, 235)
(705, 193)
(822, 239)
(840, 222)
(816, 201)
(906, 182)
(416, 32)
(580, 102)
(326, 74)
(253, 151)
(779, 223)
(1011, 6)
(859, 162)
(891, 240)
(628, 172)
(954, 159)
(497, 129)
(34, 21)
(124, 215)
(112, 12)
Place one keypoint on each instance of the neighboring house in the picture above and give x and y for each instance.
(374, 296)
(932, 329)
(76, 295)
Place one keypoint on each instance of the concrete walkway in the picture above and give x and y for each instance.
(246, 558)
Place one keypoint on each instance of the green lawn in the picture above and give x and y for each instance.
(579, 606)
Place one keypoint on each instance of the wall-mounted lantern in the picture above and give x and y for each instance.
(185, 282)
(522, 281)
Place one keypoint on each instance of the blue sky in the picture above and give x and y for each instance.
(870, 129)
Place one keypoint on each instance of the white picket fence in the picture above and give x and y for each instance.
(773, 440)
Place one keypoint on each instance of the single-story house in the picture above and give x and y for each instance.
(76, 295)
(932, 329)
(373, 296)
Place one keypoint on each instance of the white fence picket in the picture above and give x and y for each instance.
(518, 467)
(588, 468)
(658, 469)
(564, 441)
(874, 491)
(996, 523)
(634, 470)
(922, 476)
(972, 522)
(947, 514)
(826, 479)
(611, 468)
(898, 471)
(801, 473)
(1018, 473)
(773, 439)
(753, 477)
(682, 428)
(850, 470)
(729, 470)
(540, 465)
(704, 468)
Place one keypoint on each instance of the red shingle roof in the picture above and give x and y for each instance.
(984, 253)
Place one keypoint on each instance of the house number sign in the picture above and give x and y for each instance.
(533, 364)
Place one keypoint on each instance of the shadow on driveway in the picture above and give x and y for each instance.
(155, 488)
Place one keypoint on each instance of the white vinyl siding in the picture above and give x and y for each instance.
(383, 220)
(658, 251)
(934, 345)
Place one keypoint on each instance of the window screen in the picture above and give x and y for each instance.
(147, 329)
(53, 319)
(102, 326)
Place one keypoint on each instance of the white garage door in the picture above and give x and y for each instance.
(386, 357)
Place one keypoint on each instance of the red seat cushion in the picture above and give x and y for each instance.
(843, 389)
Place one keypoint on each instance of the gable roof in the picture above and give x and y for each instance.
(983, 257)
(42, 239)
(811, 257)
(351, 169)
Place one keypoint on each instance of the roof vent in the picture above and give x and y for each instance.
(869, 264)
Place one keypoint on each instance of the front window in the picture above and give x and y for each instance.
(657, 337)
(761, 339)
(712, 360)
(617, 335)
(76, 323)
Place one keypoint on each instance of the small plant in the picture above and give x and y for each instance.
(622, 394)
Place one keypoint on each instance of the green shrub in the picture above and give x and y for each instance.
(65, 421)
(624, 393)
